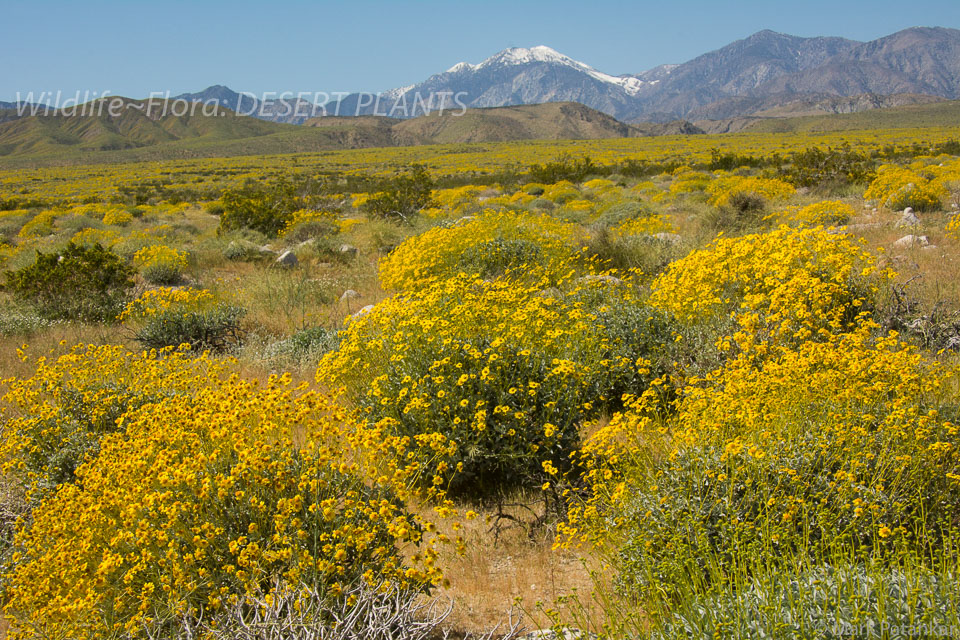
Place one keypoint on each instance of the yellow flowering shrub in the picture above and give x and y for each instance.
(40, 225)
(842, 449)
(580, 206)
(117, 217)
(169, 317)
(55, 418)
(826, 213)
(599, 185)
(646, 225)
(491, 244)
(458, 200)
(202, 500)
(723, 188)
(90, 237)
(787, 284)
(160, 264)
(561, 192)
(503, 373)
(686, 180)
(897, 187)
(315, 219)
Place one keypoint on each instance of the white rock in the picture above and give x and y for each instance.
(362, 312)
(910, 241)
(349, 294)
(909, 219)
(288, 259)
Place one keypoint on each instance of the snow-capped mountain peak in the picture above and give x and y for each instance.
(515, 56)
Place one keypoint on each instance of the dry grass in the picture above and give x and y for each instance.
(510, 567)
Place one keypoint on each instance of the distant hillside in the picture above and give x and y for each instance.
(547, 121)
(554, 121)
(137, 123)
(932, 114)
(138, 133)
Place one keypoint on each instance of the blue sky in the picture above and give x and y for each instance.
(133, 48)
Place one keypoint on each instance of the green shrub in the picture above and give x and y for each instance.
(266, 208)
(649, 254)
(564, 168)
(304, 345)
(173, 317)
(162, 273)
(86, 283)
(824, 602)
(215, 329)
(828, 168)
(743, 212)
(542, 204)
(494, 258)
(403, 196)
(621, 212)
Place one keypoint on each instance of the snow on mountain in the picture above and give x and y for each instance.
(516, 56)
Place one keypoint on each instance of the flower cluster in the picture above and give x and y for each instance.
(788, 284)
(493, 243)
(198, 498)
(898, 187)
(723, 188)
(825, 213)
(503, 372)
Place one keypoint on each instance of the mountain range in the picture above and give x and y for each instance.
(749, 75)
(758, 74)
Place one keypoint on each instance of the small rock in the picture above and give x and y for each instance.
(930, 247)
(909, 219)
(349, 250)
(306, 243)
(911, 240)
(349, 294)
(668, 238)
(288, 259)
(362, 311)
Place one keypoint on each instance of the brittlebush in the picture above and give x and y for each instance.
(492, 244)
(505, 373)
(787, 285)
(841, 449)
(206, 491)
